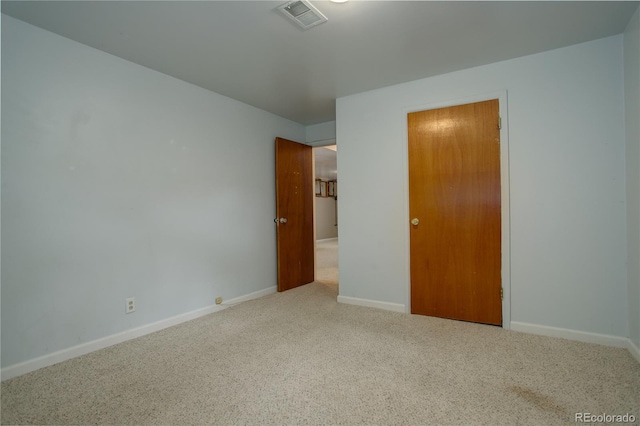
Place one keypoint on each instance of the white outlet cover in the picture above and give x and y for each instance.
(130, 305)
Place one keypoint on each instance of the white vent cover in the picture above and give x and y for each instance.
(303, 13)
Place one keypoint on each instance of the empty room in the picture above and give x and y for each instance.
(170, 174)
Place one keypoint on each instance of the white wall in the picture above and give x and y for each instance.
(632, 108)
(119, 181)
(567, 191)
(321, 134)
(326, 218)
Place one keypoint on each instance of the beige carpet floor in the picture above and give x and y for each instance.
(300, 358)
(327, 261)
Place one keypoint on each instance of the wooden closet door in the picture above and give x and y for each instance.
(455, 212)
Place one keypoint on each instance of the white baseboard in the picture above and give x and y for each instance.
(251, 296)
(395, 307)
(85, 348)
(580, 336)
(633, 349)
(326, 239)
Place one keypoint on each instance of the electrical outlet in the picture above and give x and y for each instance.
(218, 300)
(130, 305)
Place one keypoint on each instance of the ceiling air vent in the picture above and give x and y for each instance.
(303, 13)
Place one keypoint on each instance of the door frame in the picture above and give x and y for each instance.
(313, 145)
(504, 191)
(318, 144)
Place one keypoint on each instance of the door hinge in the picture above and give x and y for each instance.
(499, 123)
(501, 293)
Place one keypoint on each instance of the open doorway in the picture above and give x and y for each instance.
(326, 214)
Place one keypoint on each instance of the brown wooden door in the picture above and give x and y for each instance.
(454, 194)
(294, 214)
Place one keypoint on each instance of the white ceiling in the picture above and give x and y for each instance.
(248, 51)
